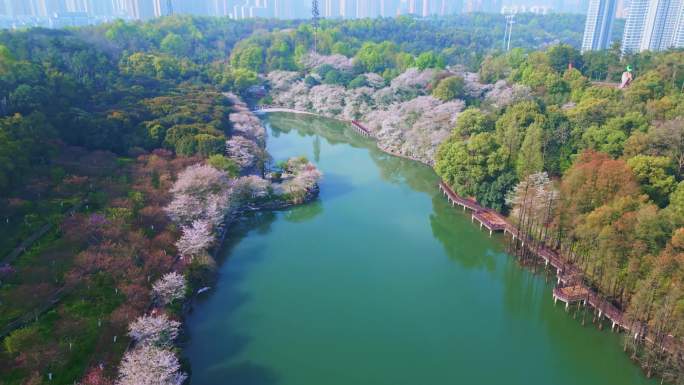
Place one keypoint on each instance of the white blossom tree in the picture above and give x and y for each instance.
(502, 95)
(156, 330)
(201, 193)
(170, 287)
(185, 208)
(282, 80)
(250, 187)
(150, 365)
(244, 122)
(414, 128)
(243, 151)
(216, 207)
(302, 176)
(337, 61)
(196, 239)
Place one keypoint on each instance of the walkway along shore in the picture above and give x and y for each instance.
(569, 289)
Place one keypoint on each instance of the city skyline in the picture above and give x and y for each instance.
(146, 9)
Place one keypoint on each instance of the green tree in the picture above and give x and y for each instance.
(655, 175)
(223, 163)
(472, 121)
(530, 159)
(675, 209)
(22, 339)
(430, 59)
(646, 87)
(494, 68)
(173, 44)
(511, 126)
(561, 56)
(466, 164)
(449, 88)
(376, 57)
(207, 144)
(605, 139)
(243, 79)
(249, 57)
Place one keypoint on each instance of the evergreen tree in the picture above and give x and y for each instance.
(530, 159)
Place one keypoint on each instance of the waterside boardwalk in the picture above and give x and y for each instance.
(361, 129)
(570, 287)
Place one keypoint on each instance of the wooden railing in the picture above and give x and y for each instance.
(567, 273)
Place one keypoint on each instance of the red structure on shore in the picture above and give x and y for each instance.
(360, 128)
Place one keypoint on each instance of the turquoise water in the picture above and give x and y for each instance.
(381, 282)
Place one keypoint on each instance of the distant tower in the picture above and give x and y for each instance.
(169, 7)
(599, 25)
(344, 11)
(510, 20)
(327, 12)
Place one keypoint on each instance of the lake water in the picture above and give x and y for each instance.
(382, 282)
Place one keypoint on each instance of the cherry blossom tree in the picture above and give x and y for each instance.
(170, 287)
(244, 122)
(337, 61)
(282, 80)
(196, 239)
(300, 178)
(156, 330)
(533, 203)
(185, 208)
(244, 152)
(150, 365)
(199, 181)
(201, 193)
(250, 187)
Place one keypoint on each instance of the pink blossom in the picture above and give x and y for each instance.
(196, 239)
(156, 330)
(150, 365)
(169, 288)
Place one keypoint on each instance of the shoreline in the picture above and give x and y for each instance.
(279, 109)
(513, 230)
(263, 111)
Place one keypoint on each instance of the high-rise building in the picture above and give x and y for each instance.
(347, 8)
(138, 9)
(18, 7)
(678, 35)
(634, 26)
(100, 8)
(621, 7)
(327, 9)
(653, 25)
(599, 25)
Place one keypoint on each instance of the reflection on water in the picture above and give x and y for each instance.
(380, 281)
(304, 212)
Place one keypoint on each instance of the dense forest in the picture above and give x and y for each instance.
(102, 128)
(581, 165)
(594, 171)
